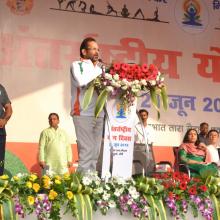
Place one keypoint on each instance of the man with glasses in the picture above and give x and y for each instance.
(88, 128)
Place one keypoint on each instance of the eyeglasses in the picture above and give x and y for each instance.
(94, 49)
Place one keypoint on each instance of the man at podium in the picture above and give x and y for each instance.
(88, 128)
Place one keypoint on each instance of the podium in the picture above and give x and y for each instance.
(118, 139)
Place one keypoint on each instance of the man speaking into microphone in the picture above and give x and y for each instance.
(88, 128)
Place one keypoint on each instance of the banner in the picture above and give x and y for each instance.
(118, 139)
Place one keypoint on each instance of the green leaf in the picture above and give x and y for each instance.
(151, 202)
(88, 97)
(164, 97)
(101, 102)
(151, 213)
(154, 100)
(161, 210)
(79, 205)
(7, 210)
(216, 204)
(88, 207)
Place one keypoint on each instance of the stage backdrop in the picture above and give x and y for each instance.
(39, 40)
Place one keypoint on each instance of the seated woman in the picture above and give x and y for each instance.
(213, 136)
(195, 155)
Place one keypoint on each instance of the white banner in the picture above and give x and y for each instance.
(119, 136)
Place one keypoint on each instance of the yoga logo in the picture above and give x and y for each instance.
(192, 15)
(20, 7)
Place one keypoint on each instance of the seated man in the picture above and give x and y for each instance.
(143, 140)
(213, 146)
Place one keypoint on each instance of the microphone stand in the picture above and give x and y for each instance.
(102, 66)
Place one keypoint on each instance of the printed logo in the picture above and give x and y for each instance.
(20, 7)
(119, 112)
(192, 15)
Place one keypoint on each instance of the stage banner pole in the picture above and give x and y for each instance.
(118, 139)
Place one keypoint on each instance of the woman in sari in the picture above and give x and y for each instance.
(195, 155)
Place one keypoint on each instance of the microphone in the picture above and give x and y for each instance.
(102, 64)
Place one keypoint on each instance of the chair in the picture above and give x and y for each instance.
(181, 167)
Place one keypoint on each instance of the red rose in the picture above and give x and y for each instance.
(192, 191)
(183, 186)
(176, 175)
(203, 188)
(117, 66)
(166, 185)
(153, 68)
(125, 67)
(144, 68)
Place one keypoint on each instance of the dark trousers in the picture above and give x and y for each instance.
(2, 153)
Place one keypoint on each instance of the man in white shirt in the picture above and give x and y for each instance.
(213, 146)
(143, 141)
(88, 128)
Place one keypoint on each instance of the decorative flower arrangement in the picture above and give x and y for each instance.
(143, 197)
(127, 81)
(182, 192)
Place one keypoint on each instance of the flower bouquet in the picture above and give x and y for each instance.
(182, 192)
(127, 81)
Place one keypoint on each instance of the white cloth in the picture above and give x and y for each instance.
(82, 73)
(139, 137)
(213, 150)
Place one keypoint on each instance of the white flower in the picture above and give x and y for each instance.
(116, 77)
(124, 82)
(86, 180)
(109, 88)
(107, 187)
(97, 182)
(19, 175)
(107, 176)
(99, 190)
(108, 76)
(130, 201)
(135, 195)
(153, 82)
(112, 204)
(143, 82)
(132, 190)
(161, 79)
(124, 87)
(134, 90)
(138, 86)
(118, 192)
(120, 181)
(117, 85)
(106, 196)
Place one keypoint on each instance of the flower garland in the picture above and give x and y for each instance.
(143, 197)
